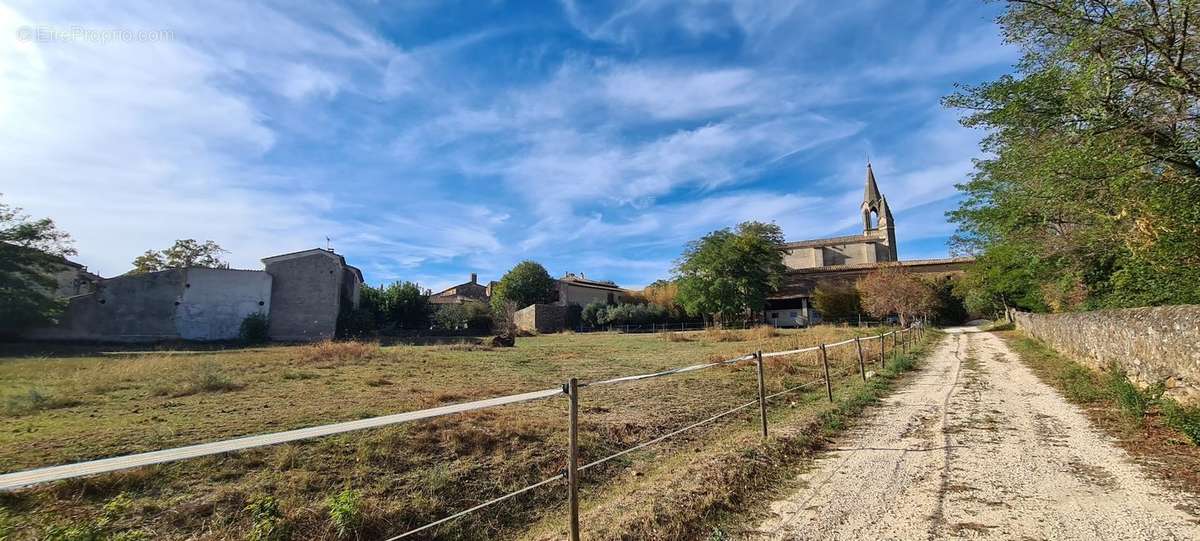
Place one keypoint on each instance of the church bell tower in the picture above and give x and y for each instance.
(877, 219)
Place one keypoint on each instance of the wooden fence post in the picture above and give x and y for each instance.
(862, 366)
(573, 458)
(762, 392)
(882, 350)
(825, 363)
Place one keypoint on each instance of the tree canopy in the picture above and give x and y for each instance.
(527, 283)
(1089, 196)
(890, 290)
(183, 254)
(837, 301)
(729, 273)
(31, 251)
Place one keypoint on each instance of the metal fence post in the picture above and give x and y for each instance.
(862, 366)
(573, 458)
(825, 363)
(762, 392)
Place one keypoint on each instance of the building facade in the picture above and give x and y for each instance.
(577, 289)
(844, 260)
(464, 292)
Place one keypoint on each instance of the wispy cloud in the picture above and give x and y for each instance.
(592, 138)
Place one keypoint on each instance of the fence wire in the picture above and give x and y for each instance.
(14, 480)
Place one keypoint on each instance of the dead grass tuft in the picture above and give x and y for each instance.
(463, 346)
(333, 353)
(675, 337)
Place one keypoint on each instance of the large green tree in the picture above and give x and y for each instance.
(31, 251)
(527, 283)
(1089, 195)
(183, 254)
(728, 273)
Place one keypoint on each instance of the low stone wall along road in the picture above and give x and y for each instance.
(976, 447)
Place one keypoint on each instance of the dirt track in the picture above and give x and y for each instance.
(975, 447)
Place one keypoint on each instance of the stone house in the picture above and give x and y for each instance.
(845, 259)
(464, 292)
(577, 289)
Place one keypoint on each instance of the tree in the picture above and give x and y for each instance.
(1088, 198)
(837, 301)
(729, 273)
(31, 251)
(594, 314)
(404, 305)
(468, 315)
(890, 290)
(664, 293)
(527, 283)
(183, 254)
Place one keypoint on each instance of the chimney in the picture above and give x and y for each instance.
(474, 278)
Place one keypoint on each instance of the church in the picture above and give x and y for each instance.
(845, 259)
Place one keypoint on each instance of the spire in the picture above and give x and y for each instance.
(885, 213)
(871, 193)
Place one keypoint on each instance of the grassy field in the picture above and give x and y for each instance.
(72, 404)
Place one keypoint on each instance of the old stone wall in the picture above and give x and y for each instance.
(541, 318)
(1158, 344)
(190, 304)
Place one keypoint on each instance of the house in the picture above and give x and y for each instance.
(577, 289)
(845, 259)
(464, 292)
(302, 293)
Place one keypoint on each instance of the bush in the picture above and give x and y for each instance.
(345, 512)
(267, 521)
(255, 328)
(594, 314)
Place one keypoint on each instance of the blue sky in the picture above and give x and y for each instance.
(434, 139)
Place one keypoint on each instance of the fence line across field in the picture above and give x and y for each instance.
(14, 480)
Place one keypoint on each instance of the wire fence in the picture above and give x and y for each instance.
(901, 340)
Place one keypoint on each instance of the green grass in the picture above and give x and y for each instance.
(1108, 389)
(403, 475)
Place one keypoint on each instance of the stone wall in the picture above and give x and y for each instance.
(190, 304)
(541, 318)
(1159, 344)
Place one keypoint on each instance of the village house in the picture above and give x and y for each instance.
(464, 292)
(845, 260)
(578, 289)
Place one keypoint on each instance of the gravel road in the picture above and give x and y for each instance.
(976, 447)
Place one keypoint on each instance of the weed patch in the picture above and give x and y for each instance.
(267, 521)
(35, 400)
(345, 513)
(331, 353)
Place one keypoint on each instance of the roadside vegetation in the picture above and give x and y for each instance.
(1146, 423)
(370, 483)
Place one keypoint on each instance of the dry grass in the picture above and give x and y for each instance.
(675, 337)
(407, 474)
(334, 353)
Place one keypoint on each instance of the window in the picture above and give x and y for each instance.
(774, 315)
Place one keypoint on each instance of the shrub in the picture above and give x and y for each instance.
(254, 329)
(267, 521)
(594, 314)
(345, 512)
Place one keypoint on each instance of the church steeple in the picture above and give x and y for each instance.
(877, 218)
(871, 193)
